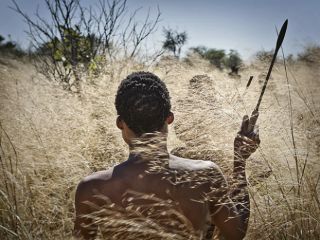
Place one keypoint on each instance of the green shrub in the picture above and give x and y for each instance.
(233, 61)
(310, 54)
(10, 47)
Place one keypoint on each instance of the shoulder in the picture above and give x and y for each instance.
(100, 175)
(191, 165)
(92, 183)
(205, 174)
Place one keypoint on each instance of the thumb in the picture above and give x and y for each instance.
(244, 125)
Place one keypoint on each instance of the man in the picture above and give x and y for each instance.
(144, 109)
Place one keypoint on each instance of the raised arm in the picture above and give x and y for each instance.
(231, 216)
(245, 143)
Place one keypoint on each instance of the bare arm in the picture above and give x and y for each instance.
(83, 228)
(245, 143)
(224, 213)
(231, 215)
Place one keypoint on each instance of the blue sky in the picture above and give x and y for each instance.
(245, 25)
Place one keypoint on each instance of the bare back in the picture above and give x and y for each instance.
(178, 184)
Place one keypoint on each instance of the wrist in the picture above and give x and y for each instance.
(239, 165)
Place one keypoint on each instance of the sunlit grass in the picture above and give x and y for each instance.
(51, 139)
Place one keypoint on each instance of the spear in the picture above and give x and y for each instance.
(255, 113)
(278, 45)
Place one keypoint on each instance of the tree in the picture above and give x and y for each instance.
(264, 56)
(201, 50)
(174, 41)
(75, 38)
(233, 61)
(310, 54)
(290, 58)
(215, 57)
(218, 58)
(1, 39)
(10, 47)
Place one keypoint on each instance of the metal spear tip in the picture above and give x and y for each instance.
(281, 34)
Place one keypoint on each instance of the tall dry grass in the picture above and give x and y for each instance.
(51, 139)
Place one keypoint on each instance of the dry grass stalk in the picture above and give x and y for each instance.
(78, 136)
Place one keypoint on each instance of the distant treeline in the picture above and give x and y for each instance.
(172, 44)
(10, 47)
(77, 40)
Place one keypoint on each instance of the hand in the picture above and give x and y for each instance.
(247, 139)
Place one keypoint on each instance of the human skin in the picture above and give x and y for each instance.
(231, 217)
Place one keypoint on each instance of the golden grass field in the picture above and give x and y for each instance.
(51, 139)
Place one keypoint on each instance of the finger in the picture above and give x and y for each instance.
(255, 134)
(244, 140)
(252, 121)
(244, 125)
(257, 138)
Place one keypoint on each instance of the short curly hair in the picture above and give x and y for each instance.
(143, 102)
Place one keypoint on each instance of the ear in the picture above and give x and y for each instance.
(119, 123)
(170, 118)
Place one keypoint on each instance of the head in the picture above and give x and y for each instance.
(143, 105)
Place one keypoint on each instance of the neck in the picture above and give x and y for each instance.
(149, 146)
